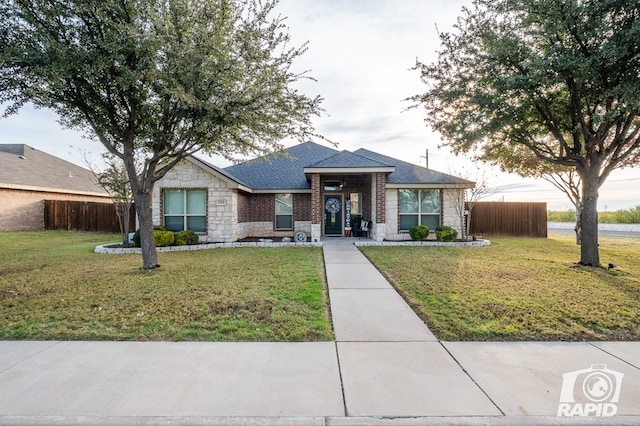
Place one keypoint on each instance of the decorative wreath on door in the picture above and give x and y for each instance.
(332, 205)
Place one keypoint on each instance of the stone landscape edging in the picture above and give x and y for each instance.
(107, 249)
(477, 243)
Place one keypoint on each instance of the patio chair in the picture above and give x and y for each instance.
(364, 228)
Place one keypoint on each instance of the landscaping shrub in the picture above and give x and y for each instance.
(446, 234)
(163, 238)
(136, 236)
(186, 237)
(419, 233)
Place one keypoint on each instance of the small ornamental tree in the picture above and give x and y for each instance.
(157, 80)
(115, 180)
(464, 199)
(565, 178)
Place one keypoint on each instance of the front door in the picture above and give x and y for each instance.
(333, 214)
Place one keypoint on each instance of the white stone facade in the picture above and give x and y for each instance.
(222, 202)
(222, 206)
(449, 215)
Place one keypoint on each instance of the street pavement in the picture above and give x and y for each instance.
(385, 368)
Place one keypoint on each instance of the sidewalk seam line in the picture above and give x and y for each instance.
(335, 342)
(464, 370)
(613, 355)
(344, 397)
(54, 343)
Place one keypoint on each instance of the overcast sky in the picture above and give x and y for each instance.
(361, 53)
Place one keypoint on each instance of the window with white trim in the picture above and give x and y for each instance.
(284, 211)
(356, 203)
(419, 207)
(185, 209)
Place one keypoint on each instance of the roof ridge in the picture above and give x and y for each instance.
(346, 152)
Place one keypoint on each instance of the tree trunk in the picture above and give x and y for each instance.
(578, 228)
(145, 218)
(589, 251)
(126, 214)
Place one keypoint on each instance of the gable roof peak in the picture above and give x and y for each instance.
(347, 159)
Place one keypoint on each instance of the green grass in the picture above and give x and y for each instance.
(52, 286)
(519, 289)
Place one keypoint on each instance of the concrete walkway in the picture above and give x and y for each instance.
(385, 368)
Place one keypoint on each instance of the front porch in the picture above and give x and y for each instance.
(342, 203)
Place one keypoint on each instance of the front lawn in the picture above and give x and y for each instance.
(52, 286)
(519, 289)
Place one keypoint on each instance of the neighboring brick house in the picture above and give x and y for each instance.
(29, 176)
(308, 189)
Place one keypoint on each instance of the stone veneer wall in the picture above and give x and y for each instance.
(265, 229)
(23, 210)
(232, 215)
(222, 202)
(448, 213)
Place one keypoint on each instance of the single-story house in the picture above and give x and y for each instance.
(310, 189)
(29, 176)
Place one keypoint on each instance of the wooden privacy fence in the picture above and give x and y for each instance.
(509, 219)
(83, 216)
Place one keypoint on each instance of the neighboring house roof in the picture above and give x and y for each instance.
(287, 171)
(24, 167)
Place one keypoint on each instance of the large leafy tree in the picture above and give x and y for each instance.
(557, 77)
(157, 80)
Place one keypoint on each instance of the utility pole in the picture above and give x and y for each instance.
(426, 158)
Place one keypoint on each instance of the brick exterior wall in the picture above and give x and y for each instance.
(316, 202)
(243, 208)
(22, 210)
(262, 207)
(301, 207)
(357, 184)
(381, 188)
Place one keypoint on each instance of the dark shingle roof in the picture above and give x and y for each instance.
(279, 171)
(407, 173)
(24, 166)
(286, 171)
(347, 159)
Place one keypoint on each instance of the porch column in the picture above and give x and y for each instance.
(377, 232)
(381, 191)
(316, 208)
